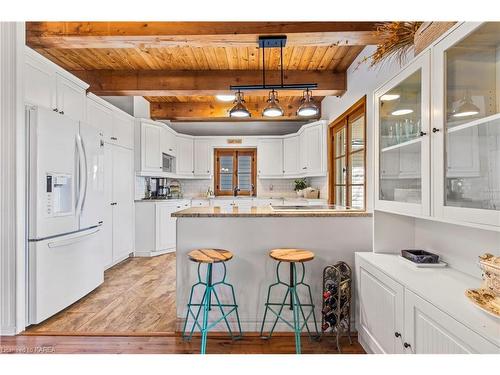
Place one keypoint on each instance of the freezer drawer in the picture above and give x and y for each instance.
(62, 270)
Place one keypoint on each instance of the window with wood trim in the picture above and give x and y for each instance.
(235, 171)
(347, 157)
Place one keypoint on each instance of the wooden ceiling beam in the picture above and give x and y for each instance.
(204, 82)
(194, 34)
(216, 111)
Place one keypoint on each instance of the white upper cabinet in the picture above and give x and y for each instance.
(123, 129)
(202, 157)
(185, 162)
(270, 157)
(100, 115)
(466, 124)
(49, 86)
(151, 156)
(402, 119)
(168, 142)
(312, 150)
(291, 156)
(70, 98)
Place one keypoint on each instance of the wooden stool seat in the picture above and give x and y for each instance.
(292, 255)
(210, 255)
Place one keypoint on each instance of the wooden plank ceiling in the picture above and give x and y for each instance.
(180, 66)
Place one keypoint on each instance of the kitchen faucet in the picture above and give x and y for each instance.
(235, 191)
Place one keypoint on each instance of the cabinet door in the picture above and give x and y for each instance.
(184, 157)
(100, 117)
(71, 98)
(303, 153)
(123, 197)
(402, 117)
(168, 142)
(151, 156)
(123, 130)
(270, 157)
(39, 84)
(291, 156)
(314, 150)
(202, 157)
(165, 226)
(107, 226)
(466, 120)
(429, 330)
(380, 310)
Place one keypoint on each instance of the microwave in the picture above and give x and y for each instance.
(168, 163)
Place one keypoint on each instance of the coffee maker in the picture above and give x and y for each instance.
(157, 188)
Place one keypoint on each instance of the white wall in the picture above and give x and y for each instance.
(361, 80)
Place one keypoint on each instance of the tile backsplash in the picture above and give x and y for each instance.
(265, 187)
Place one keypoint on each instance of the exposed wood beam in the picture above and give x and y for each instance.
(216, 111)
(193, 34)
(203, 82)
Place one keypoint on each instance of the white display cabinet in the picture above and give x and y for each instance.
(402, 119)
(466, 124)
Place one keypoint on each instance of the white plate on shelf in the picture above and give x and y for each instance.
(441, 264)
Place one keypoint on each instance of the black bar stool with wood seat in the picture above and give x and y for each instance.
(209, 257)
(291, 256)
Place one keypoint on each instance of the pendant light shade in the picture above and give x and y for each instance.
(308, 107)
(467, 108)
(239, 109)
(273, 109)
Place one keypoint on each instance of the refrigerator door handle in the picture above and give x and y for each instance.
(72, 240)
(82, 174)
(85, 184)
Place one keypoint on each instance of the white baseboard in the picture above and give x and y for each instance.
(140, 254)
(8, 331)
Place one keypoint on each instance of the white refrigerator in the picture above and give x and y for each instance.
(65, 211)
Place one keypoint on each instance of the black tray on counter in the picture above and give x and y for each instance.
(420, 256)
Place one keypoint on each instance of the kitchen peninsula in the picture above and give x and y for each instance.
(250, 233)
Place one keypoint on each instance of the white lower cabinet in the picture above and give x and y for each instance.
(380, 310)
(118, 227)
(393, 319)
(428, 330)
(155, 227)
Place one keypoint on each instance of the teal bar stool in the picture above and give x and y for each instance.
(195, 310)
(299, 310)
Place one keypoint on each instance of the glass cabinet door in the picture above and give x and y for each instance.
(403, 120)
(469, 120)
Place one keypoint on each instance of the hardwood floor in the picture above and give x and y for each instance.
(137, 297)
(251, 344)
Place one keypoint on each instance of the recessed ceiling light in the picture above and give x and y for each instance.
(401, 112)
(225, 97)
(389, 97)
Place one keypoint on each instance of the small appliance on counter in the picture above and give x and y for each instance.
(156, 188)
(175, 189)
(487, 298)
(422, 258)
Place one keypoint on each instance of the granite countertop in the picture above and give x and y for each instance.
(266, 212)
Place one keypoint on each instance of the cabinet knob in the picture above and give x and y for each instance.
(435, 130)
(397, 334)
(304, 167)
(55, 110)
(114, 138)
(422, 133)
(406, 345)
(62, 112)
